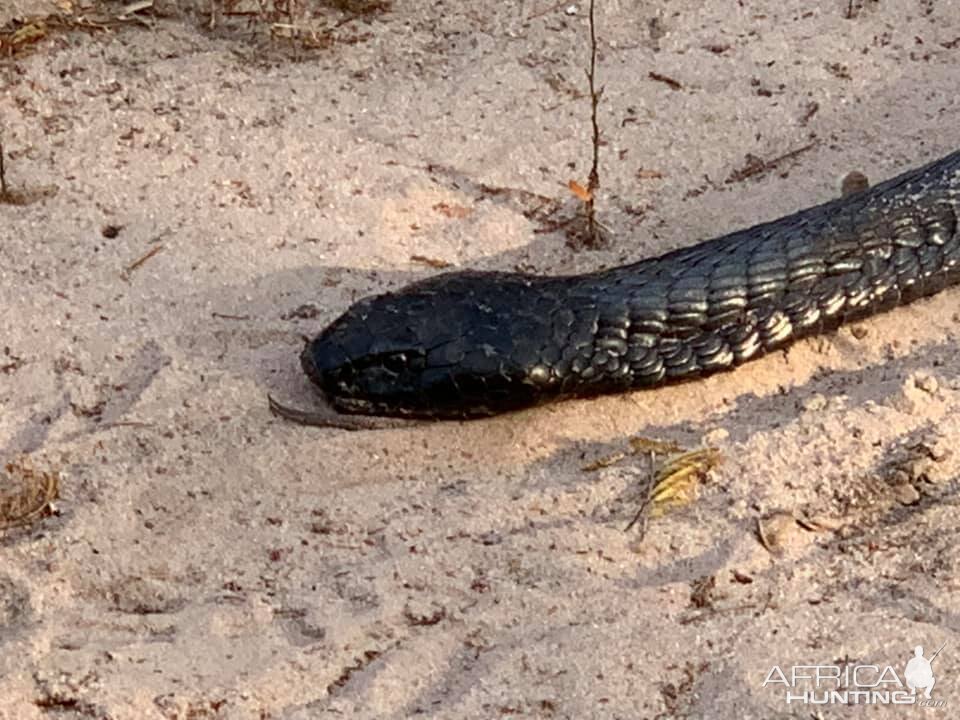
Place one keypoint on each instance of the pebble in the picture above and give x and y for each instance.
(907, 494)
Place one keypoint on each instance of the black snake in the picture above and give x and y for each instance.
(468, 344)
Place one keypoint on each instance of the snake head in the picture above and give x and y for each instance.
(454, 346)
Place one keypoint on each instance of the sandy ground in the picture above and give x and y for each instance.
(197, 204)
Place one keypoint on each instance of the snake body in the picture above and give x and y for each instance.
(467, 344)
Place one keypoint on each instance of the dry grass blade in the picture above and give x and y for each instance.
(128, 271)
(135, 7)
(638, 445)
(661, 447)
(603, 462)
(25, 493)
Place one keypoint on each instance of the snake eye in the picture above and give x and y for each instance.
(396, 362)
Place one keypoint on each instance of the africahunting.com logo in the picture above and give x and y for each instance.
(860, 684)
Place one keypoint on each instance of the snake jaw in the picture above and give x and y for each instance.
(328, 417)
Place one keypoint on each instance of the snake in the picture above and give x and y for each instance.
(468, 344)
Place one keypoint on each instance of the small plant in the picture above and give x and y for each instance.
(592, 236)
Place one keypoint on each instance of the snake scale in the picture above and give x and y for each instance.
(467, 344)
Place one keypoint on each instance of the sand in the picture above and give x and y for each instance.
(197, 202)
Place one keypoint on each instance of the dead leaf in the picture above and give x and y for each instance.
(580, 191)
(432, 262)
(25, 493)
